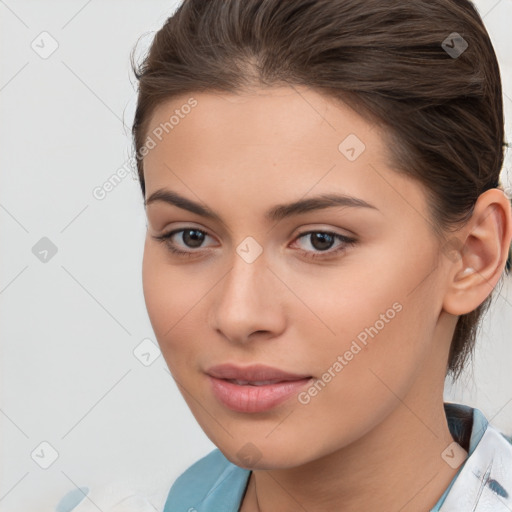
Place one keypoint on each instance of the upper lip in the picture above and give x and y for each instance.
(252, 373)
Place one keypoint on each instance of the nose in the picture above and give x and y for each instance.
(248, 303)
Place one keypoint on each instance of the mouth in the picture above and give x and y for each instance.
(254, 383)
(255, 373)
(255, 388)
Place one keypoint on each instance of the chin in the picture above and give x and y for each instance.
(264, 455)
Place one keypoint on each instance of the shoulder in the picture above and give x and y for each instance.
(118, 496)
(209, 483)
(507, 438)
(485, 479)
(492, 471)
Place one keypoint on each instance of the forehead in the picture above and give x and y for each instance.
(279, 117)
(272, 143)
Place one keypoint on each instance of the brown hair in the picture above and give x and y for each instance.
(392, 61)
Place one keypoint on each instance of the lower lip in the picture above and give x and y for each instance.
(255, 398)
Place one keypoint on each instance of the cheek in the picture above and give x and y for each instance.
(356, 301)
(175, 298)
(155, 285)
(368, 383)
(378, 328)
(169, 294)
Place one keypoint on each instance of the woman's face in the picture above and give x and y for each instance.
(346, 298)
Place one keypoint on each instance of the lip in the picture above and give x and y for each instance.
(248, 397)
(254, 372)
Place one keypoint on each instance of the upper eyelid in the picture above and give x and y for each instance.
(347, 233)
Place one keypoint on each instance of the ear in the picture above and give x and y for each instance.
(482, 247)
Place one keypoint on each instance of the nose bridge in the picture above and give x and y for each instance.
(246, 280)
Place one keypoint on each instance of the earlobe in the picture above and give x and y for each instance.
(483, 255)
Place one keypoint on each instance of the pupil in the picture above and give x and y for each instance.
(321, 237)
(195, 239)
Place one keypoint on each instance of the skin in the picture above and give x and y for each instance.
(379, 423)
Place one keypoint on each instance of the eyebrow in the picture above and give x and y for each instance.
(274, 214)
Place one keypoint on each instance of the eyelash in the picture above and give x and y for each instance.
(347, 241)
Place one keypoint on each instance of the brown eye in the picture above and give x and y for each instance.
(321, 241)
(192, 237)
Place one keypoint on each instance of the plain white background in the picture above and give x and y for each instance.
(70, 325)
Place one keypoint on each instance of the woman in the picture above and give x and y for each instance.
(325, 230)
